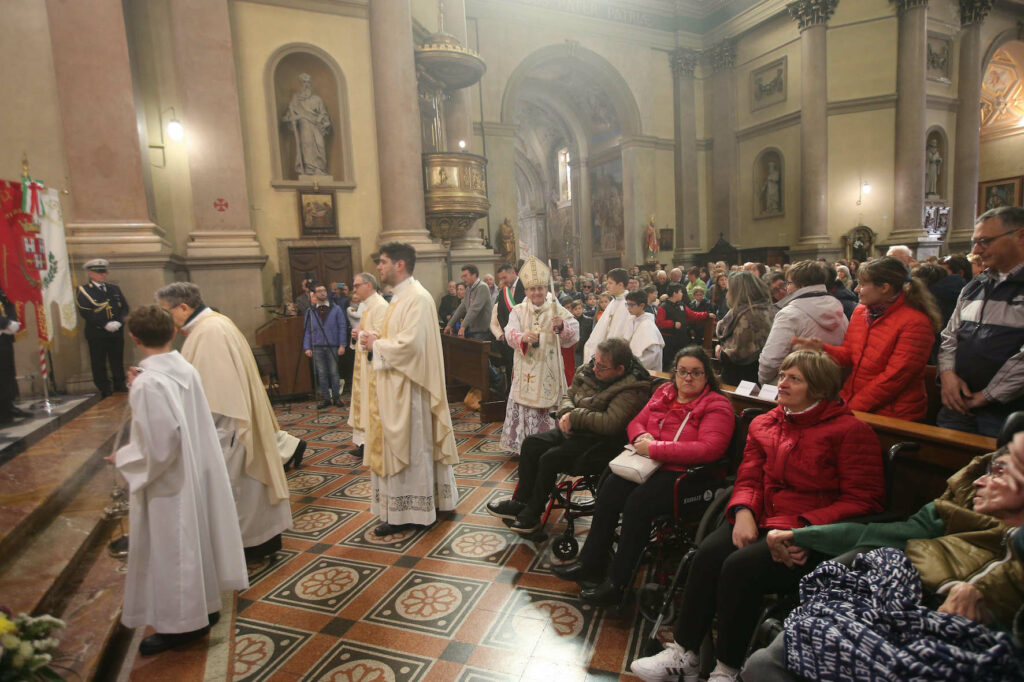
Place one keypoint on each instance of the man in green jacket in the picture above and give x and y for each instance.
(605, 395)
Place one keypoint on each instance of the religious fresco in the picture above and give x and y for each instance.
(606, 209)
(1002, 96)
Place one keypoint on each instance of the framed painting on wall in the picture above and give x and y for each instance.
(665, 239)
(317, 215)
(996, 193)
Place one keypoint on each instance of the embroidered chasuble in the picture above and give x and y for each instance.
(363, 378)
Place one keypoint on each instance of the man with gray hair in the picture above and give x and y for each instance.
(252, 442)
(370, 313)
(901, 253)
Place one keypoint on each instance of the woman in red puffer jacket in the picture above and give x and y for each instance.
(809, 461)
(890, 337)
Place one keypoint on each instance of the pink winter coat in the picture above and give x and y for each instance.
(703, 440)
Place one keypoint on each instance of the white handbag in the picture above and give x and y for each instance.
(632, 466)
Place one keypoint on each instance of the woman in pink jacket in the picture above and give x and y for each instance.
(693, 401)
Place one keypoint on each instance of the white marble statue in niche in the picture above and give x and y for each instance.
(771, 190)
(310, 124)
(933, 166)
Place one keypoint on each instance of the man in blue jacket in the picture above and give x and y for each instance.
(325, 338)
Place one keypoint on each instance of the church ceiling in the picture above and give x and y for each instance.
(1002, 94)
(693, 16)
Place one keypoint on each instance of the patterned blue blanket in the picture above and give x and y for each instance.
(866, 622)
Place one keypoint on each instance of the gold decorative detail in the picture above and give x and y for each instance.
(455, 192)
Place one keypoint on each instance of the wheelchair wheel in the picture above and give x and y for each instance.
(565, 547)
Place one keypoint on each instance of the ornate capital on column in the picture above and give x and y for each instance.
(808, 13)
(723, 55)
(683, 62)
(974, 11)
(906, 5)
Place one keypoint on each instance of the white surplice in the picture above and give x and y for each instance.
(646, 341)
(186, 547)
(615, 322)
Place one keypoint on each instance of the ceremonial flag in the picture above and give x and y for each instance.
(57, 285)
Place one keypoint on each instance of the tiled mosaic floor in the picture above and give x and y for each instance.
(463, 600)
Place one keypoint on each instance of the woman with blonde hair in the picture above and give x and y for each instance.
(744, 330)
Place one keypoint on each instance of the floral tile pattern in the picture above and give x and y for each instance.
(427, 602)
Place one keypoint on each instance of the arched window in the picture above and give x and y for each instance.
(564, 177)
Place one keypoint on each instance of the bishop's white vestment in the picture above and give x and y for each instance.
(410, 447)
(538, 377)
(615, 322)
(246, 425)
(186, 547)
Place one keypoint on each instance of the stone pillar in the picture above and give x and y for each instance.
(223, 254)
(968, 124)
(638, 196)
(687, 238)
(724, 210)
(581, 211)
(108, 212)
(501, 174)
(399, 146)
(811, 17)
(911, 70)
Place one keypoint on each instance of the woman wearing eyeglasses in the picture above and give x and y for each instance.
(807, 462)
(693, 401)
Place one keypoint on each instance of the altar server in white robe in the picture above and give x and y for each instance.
(410, 448)
(537, 330)
(185, 543)
(615, 322)
(645, 339)
(253, 444)
(371, 312)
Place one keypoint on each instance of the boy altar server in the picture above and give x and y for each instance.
(186, 546)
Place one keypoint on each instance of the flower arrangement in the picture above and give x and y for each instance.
(25, 644)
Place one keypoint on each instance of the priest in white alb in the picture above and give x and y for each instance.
(372, 307)
(185, 543)
(615, 322)
(410, 448)
(538, 328)
(255, 449)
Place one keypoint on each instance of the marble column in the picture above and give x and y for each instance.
(724, 209)
(639, 198)
(399, 146)
(223, 253)
(581, 210)
(968, 124)
(911, 69)
(501, 173)
(812, 17)
(687, 238)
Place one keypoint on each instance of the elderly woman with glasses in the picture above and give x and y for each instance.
(807, 462)
(686, 422)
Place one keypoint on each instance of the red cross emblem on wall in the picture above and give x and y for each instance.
(220, 204)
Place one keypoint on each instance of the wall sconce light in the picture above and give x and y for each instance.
(462, 145)
(865, 188)
(175, 130)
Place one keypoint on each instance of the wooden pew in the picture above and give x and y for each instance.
(466, 361)
(919, 476)
(285, 335)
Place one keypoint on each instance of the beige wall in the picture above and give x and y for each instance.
(259, 30)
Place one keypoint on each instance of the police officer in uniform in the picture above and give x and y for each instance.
(103, 307)
(9, 326)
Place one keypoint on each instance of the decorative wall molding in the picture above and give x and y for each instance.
(705, 144)
(345, 8)
(907, 5)
(942, 103)
(722, 55)
(939, 58)
(974, 11)
(808, 13)
(858, 104)
(784, 121)
(768, 84)
(683, 62)
(495, 129)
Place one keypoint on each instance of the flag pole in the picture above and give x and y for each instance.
(45, 405)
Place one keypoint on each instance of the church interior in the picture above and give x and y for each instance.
(246, 145)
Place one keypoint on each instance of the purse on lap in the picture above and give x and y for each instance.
(632, 466)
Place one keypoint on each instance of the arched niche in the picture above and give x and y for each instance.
(769, 179)
(936, 157)
(281, 82)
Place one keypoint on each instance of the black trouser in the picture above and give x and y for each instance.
(102, 351)
(733, 374)
(544, 456)
(731, 584)
(674, 342)
(8, 384)
(639, 505)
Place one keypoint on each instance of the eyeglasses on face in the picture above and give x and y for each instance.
(603, 368)
(692, 374)
(996, 468)
(985, 242)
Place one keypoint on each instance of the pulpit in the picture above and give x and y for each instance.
(285, 335)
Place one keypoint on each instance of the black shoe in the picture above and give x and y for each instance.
(505, 509)
(18, 412)
(296, 459)
(606, 594)
(214, 618)
(393, 529)
(575, 572)
(104, 395)
(158, 643)
(265, 550)
(338, 402)
(525, 524)
(323, 404)
(119, 547)
(358, 452)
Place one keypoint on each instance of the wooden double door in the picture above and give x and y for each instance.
(322, 264)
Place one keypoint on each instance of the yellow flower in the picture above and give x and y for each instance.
(6, 625)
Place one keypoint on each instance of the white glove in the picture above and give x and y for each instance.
(12, 328)
(112, 326)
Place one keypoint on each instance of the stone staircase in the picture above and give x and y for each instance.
(53, 534)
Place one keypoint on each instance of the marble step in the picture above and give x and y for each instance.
(37, 484)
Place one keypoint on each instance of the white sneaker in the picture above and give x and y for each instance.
(674, 663)
(724, 673)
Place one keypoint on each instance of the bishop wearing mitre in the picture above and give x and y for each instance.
(538, 329)
(364, 382)
(410, 449)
